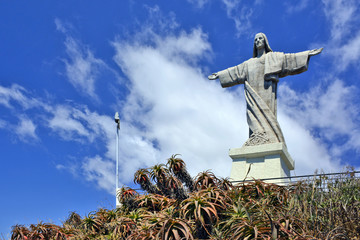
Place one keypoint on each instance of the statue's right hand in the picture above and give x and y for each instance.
(315, 52)
(213, 76)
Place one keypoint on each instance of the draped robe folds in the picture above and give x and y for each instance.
(260, 77)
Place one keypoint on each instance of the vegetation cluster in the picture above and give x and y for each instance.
(173, 205)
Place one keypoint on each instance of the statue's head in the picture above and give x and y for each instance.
(260, 41)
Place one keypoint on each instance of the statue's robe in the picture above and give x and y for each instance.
(260, 77)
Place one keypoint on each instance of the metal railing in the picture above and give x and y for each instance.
(294, 179)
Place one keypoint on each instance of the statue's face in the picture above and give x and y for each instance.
(259, 41)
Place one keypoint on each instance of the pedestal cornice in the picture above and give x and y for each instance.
(262, 151)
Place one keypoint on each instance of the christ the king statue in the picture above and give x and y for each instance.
(260, 76)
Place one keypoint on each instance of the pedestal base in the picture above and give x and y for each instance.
(118, 204)
(265, 161)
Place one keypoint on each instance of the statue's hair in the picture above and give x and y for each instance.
(267, 46)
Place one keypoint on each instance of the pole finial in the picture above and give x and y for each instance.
(117, 120)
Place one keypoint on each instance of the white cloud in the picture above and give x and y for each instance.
(348, 53)
(15, 99)
(60, 26)
(344, 43)
(18, 100)
(308, 152)
(241, 14)
(330, 113)
(181, 48)
(77, 123)
(15, 96)
(332, 108)
(74, 123)
(296, 6)
(26, 129)
(100, 171)
(83, 69)
(181, 110)
(64, 119)
(12, 93)
(199, 3)
(67, 124)
(342, 15)
(2, 123)
(157, 19)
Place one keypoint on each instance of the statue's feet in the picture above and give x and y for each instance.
(257, 138)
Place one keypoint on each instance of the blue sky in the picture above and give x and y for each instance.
(68, 66)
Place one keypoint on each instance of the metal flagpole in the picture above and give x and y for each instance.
(117, 120)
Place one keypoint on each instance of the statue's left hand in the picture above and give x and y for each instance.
(315, 52)
(213, 76)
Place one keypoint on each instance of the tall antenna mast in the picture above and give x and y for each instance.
(117, 121)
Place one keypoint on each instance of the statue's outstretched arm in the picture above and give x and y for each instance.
(315, 51)
(213, 76)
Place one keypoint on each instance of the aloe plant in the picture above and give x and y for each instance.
(212, 208)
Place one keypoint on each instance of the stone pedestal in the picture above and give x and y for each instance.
(265, 161)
